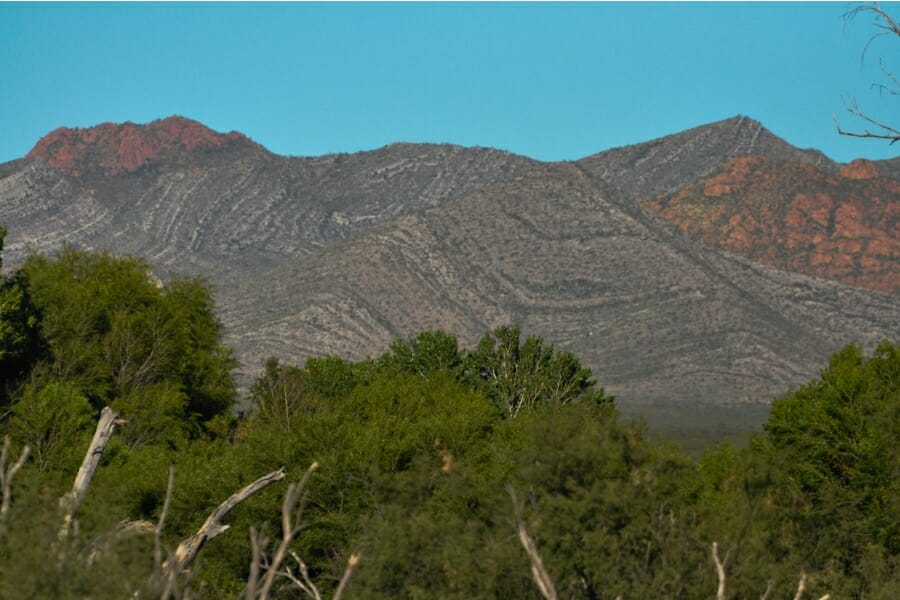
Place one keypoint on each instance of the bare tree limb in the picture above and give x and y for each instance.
(886, 26)
(291, 519)
(256, 544)
(213, 527)
(306, 586)
(801, 587)
(101, 544)
(539, 573)
(6, 477)
(351, 566)
(890, 134)
(720, 572)
(289, 529)
(157, 538)
(72, 501)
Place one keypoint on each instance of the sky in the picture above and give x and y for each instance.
(554, 81)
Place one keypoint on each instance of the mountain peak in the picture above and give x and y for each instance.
(116, 148)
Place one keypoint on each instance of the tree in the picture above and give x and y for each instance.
(517, 375)
(20, 342)
(117, 337)
(278, 393)
(426, 353)
(886, 26)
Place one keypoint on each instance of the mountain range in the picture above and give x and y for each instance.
(699, 275)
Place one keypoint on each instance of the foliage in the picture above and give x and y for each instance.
(113, 333)
(55, 420)
(837, 442)
(517, 375)
(415, 449)
(20, 344)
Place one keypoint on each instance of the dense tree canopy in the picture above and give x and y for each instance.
(417, 451)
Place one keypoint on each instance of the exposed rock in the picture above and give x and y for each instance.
(793, 216)
(113, 148)
(860, 169)
(340, 253)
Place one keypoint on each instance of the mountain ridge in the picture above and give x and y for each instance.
(341, 253)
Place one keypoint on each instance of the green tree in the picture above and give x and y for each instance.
(517, 375)
(20, 343)
(112, 332)
(56, 421)
(424, 354)
(836, 442)
(278, 394)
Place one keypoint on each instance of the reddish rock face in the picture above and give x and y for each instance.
(860, 169)
(794, 217)
(112, 149)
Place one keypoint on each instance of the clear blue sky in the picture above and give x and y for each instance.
(552, 81)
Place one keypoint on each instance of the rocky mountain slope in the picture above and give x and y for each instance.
(191, 200)
(340, 253)
(843, 226)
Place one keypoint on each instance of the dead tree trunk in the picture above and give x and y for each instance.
(212, 527)
(6, 477)
(542, 578)
(71, 501)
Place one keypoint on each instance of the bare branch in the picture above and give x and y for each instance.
(6, 477)
(890, 75)
(291, 518)
(212, 527)
(889, 133)
(256, 544)
(306, 586)
(72, 501)
(887, 26)
(289, 530)
(351, 566)
(801, 586)
(157, 542)
(720, 572)
(768, 591)
(539, 573)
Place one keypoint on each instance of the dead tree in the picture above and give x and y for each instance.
(542, 578)
(72, 501)
(720, 574)
(6, 477)
(886, 26)
(213, 527)
(274, 566)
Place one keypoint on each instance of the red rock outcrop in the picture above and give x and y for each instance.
(111, 148)
(790, 215)
(860, 169)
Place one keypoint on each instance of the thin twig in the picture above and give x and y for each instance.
(289, 529)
